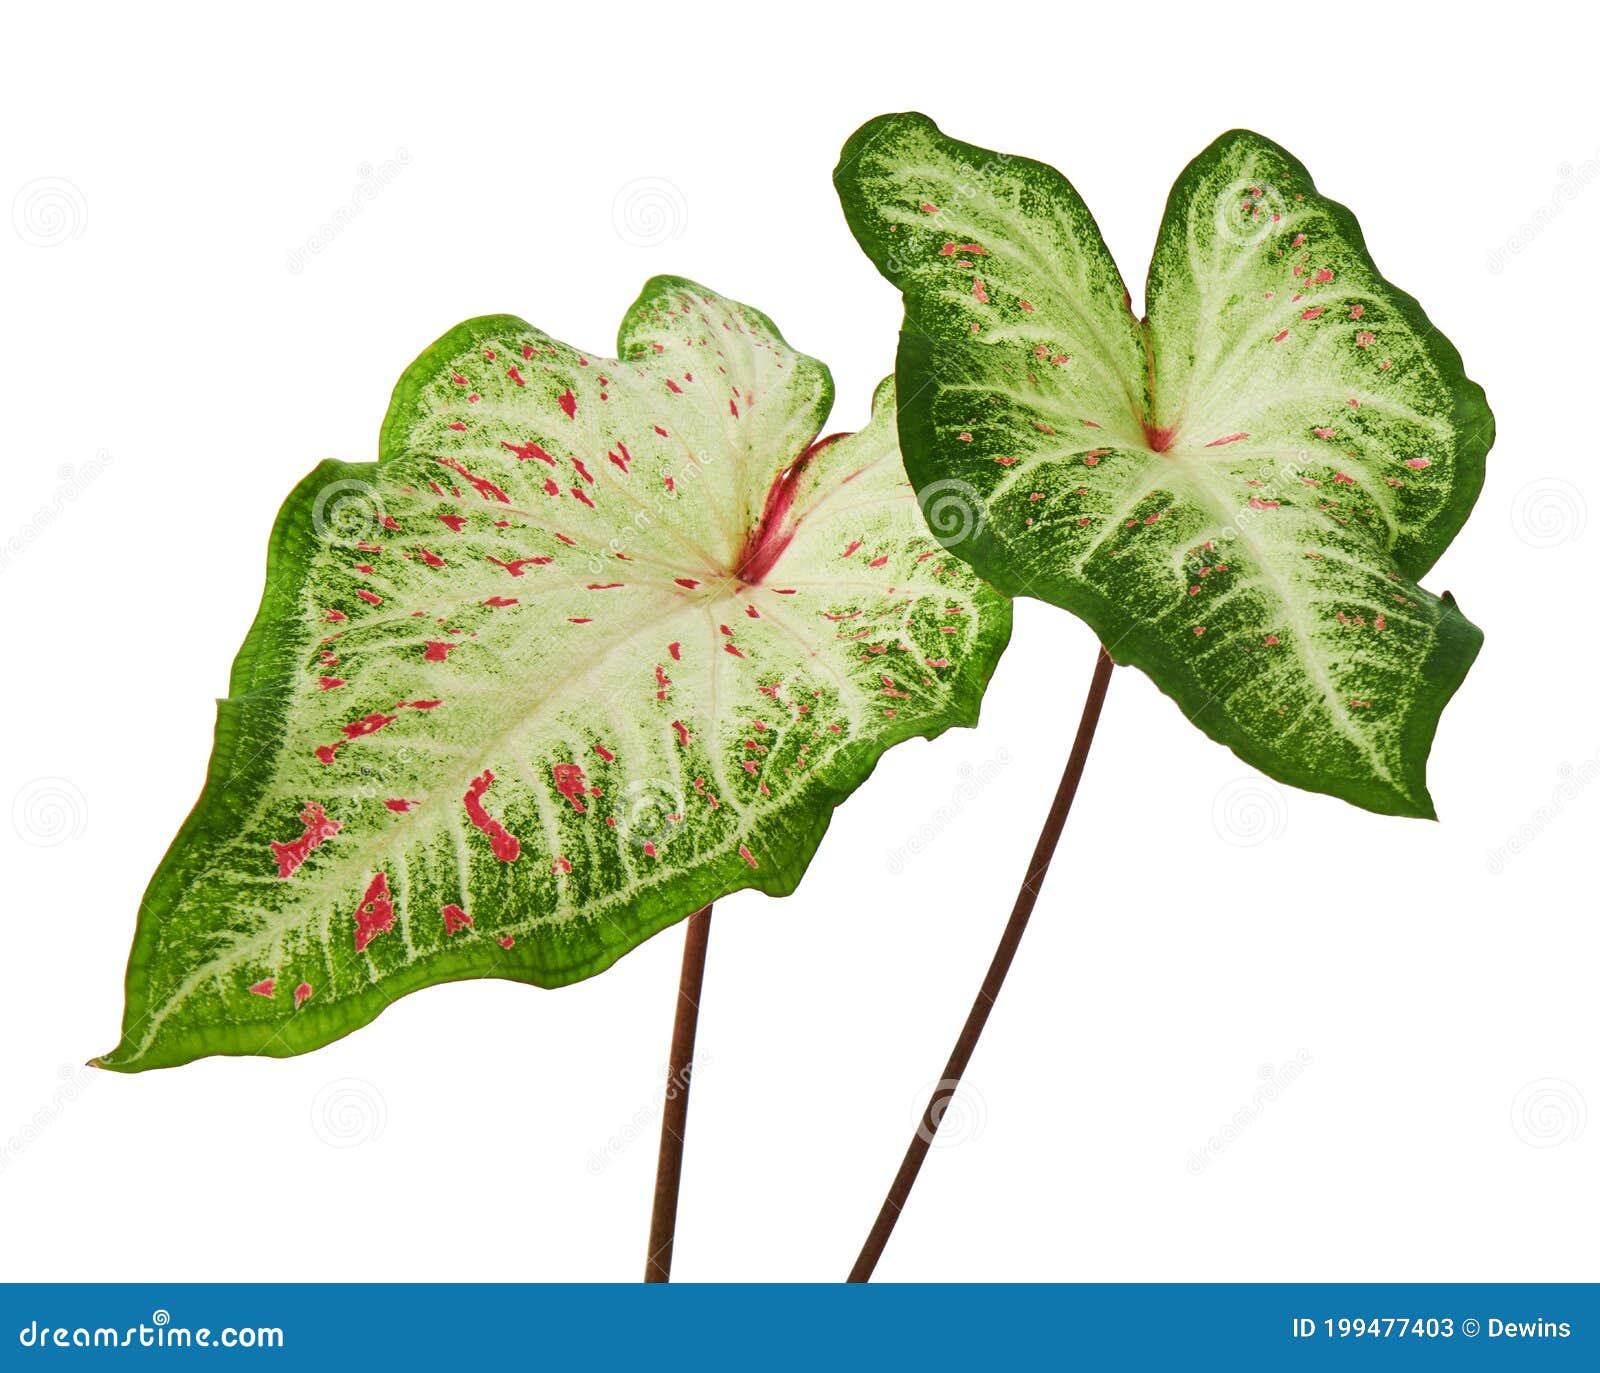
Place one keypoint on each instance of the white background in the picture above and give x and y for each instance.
(1202, 928)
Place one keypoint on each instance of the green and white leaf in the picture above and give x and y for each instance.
(592, 643)
(1237, 493)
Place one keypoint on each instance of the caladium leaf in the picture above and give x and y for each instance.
(592, 643)
(1238, 492)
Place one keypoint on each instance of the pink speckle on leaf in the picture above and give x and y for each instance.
(375, 914)
(318, 828)
(263, 987)
(516, 565)
(571, 783)
(505, 845)
(482, 485)
(529, 452)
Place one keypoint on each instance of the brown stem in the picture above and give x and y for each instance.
(675, 1113)
(900, 1189)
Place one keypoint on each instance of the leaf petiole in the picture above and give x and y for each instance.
(675, 1109)
(989, 992)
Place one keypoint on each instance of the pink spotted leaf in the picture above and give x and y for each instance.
(594, 642)
(1237, 492)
